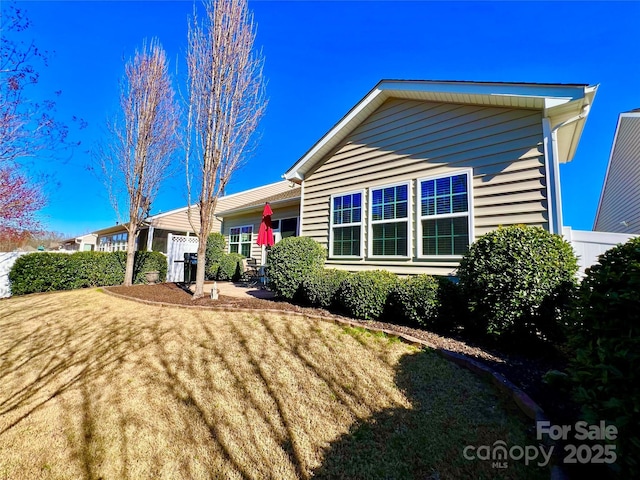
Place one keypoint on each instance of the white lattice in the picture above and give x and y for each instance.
(177, 246)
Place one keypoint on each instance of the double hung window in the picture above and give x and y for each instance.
(240, 240)
(444, 215)
(346, 225)
(389, 221)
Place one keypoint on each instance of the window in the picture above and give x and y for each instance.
(240, 240)
(390, 221)
(346, 225)
(444, 215)
(285, 227)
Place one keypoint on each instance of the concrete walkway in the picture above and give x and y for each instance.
(238, 290)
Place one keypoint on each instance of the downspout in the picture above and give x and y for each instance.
(553, 170)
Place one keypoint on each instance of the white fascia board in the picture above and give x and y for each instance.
(568, 92)
(294, 173)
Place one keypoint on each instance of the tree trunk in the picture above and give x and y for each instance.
(200, 269)
(131, 252)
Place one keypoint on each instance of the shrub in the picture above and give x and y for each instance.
(290, 261)
(47, 272)
(364, 294)
(216, 248)
(452, 307)
(320, 289)
(606, 340)
(519, 281)
(414, 300)
(228, 267)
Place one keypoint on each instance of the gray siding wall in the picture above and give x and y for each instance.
(621, 195)
(405, 140)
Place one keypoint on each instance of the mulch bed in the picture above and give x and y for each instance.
(525, 371)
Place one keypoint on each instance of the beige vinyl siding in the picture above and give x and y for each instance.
(178, 221)
(254, 219)
(406, 140)
(621, 195)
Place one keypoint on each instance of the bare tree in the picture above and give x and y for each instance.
(141, 142)
(226, 101)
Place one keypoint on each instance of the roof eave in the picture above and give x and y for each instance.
(258, 208)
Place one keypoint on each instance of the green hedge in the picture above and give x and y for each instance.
(519, 281)
(414, 301)
(606, 341)
(290, 261)
(321, 288)
(365, 294)
(47, 272)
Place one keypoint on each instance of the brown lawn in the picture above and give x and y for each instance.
(98, 387)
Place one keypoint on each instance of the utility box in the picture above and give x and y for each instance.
(190, 266)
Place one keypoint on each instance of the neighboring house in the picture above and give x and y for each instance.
(619, 206)
(83, 243)
(418, 169)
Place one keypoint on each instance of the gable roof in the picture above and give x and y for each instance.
(559, 102)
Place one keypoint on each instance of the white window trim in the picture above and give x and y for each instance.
(352, 224)
(371, 222)
(420, 217)
(250, 242)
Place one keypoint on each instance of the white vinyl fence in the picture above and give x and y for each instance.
(590, 245)
(177, 246)
(7, 259)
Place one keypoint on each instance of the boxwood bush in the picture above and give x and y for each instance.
(606, 341)
(227, 267)
(365, 294)
(519, 281)
(216, 250)
(414, 301)
(46, 272)
(320, 289)
(290, 261)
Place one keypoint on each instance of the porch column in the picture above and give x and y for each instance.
(150, 239)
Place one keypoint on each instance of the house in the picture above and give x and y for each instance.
(417, 170)
(619, 206)
(83, 243)
(409, 177)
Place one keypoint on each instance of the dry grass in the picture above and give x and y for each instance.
(97, 387)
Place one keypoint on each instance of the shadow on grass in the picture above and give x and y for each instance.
(449, 411)
(146, 392)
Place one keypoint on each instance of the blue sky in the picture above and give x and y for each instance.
(321, 59)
